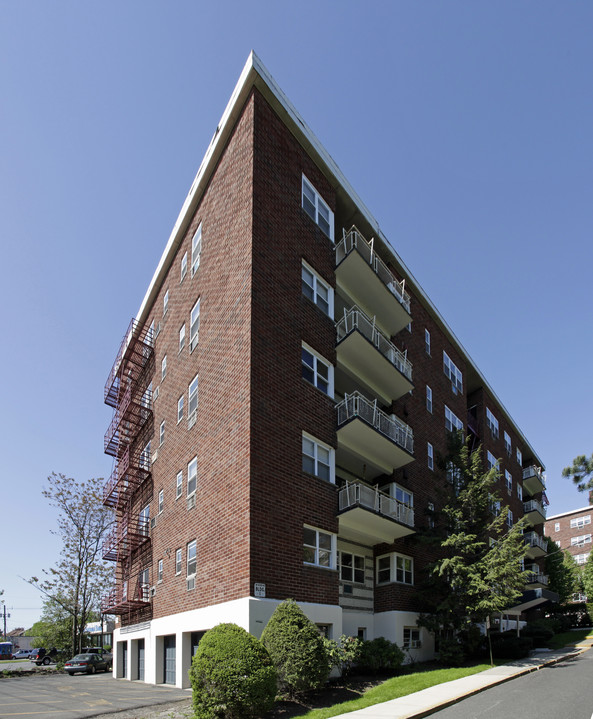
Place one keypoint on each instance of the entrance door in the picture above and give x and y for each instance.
(125, 660)
(169, 642)
(141, 659)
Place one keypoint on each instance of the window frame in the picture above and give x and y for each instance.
(508, 445)
(519, 456)
(410, 642)
(396, 567)
(427, 342)
(352, 568)
(162, 433)
(331, 464)
(315, 296)
(179, 484)
(163, 367)
(180, 403)
(159, 571)
(196, 249)
(509, 481)
(165, 302)
(331, 553)
(429, 398)
(178, 561)
(194, 326)
(492, 423)
(183, 267)
(430, 454)
(191, 553)
(192, 394)
(453, 373)
(452, 419)
(192, 476)
(182, 337)
(161, 501)
(317, 377)
(576, 523)
(318, 207)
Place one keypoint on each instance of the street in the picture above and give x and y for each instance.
(563, 690)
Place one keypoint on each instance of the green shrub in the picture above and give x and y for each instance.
(473, 642)
(343, 654)
(451, 652)
(296, 648)
(379, 655)
(539, 632)
(232, 675)
(509, 646)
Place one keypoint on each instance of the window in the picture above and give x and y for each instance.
(492, 423)
(317, 290)
(194, 326)
(495, 507)
(395, 568)
(427, 342)
(507, 443)
(179, 485)
(161, 500)
(179, 409)
(580, 541)
(401, 495)
(182, 337)
(162, 433)
(519, 491)
(430, 515)
(491, 460)
(183, 266)
(160, 570)
(581, 558)
(509, 481)
(580, 521)
(191, 558)
(165, 303)
(178, 561)
(192, 402)
(411, 638)
(163, 368)
(318, 458)
(196, 250)
(557, 526)
(319, 548)
(317, 371)
(145, 457)
(519, 456)
(144, 520)
(452, 421)
(351, 567)
(428, 398)
(192, 476)
(430, 455)
(510, 518)
(453, 373)
(317, 209)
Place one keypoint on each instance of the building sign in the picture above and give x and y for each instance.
(259, 590)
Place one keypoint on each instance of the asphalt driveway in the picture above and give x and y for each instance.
(66, 697)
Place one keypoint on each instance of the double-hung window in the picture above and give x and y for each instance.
(351, 567)
(179, 409)
(196, 250)
(491, 460)
(452, 421)
(580, 541)
(580, 521)
(411, 638)
(145, 457)
(182, 337)
(492, 423)
(430, 451)
(318, 458)
(192, 476)
(519, 456)
(509, 481)
(162, 433)
(453, 373)
(144, 520)
(183, 266)
(428, 398)
(317, 370)
(192, 564)
(179, 485)
(319, 548)
(194, 326)
(395, 568)
(507, 443)
(509, 518)
(165, 303)
(178, 561)
(192, 402)
(519, 491)
(317, 209)
(161, 500)
(427, 342)
(163, 368)
(317, 290)
(160, 571)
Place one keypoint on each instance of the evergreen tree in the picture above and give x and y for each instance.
(581, 472)
(480, 570)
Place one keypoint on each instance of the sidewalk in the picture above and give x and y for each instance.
(427, 701)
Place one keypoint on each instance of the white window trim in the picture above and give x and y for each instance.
(194, 560)
(429, 398)
(491, 460)
(452, 419)
(453, 372)
(430, 452)
(508, 445)
(160, 571)
(161, 501)
(579, 522)
(180, 403)
(182, 337)
(178, 561)
(492, 423)
(163, 368)
(332, 458)
(192, 468)
(509, 481)
(427, 346)
(192, 413)
(183, 268)
(317, 358)
(179, 484)
(196, 250)
(318, 280)
(162, 433)
(320, 205)
(165, 302)
(194, 326)
(393, 557)
(333, 551)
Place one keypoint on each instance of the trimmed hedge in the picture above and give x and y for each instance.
(296, 648)
(379, 655)
(232, 675)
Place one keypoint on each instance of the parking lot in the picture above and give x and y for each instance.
(70, 697)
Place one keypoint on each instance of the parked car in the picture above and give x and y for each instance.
(42, 656)
(108, 656)
(22, 654)
(87, 663)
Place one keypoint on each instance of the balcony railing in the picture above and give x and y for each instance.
(122, 599)
(354, 240)
(136, 346)
(358, 494)
(534, 472)
(534, 506)
(536, 578)
(357, 406)
(356, 319)
(534, 540)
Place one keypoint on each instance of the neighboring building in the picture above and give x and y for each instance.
(280, 401)
(572, 531)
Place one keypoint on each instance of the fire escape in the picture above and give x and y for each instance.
(127, 390)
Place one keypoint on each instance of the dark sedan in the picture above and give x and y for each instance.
(87, 663)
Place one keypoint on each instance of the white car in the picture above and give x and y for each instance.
(22, 654)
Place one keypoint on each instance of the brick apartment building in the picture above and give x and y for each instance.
(279, 403)
(572, 531)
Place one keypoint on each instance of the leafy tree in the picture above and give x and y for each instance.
(54, 628)
(581, 472)
(232, 675)
(587, 577)
(79, 578)
(563, 572)
(479, 571)
(296, 648)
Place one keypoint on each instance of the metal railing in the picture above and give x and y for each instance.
(534, 506)
(536, 578)
(356, 319)
(534, 540)
(359, 494)
(357, 405)
(534, 471)
(354, 240)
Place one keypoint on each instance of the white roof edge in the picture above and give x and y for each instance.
(252, 68)
(572, 511)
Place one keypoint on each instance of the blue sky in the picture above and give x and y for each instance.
(465, 127)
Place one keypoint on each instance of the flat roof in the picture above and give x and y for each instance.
(572, 511)
(255, 74)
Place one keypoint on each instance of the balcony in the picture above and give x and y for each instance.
(367, 355)
(129, 533)
(536, 545)
(371, 442)
(534, 512)
(363, 275)
(534, 578)
(122, 599)
(534, 480)
(369, 516)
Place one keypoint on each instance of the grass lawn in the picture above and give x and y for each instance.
(397, 687)
(567, 638)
